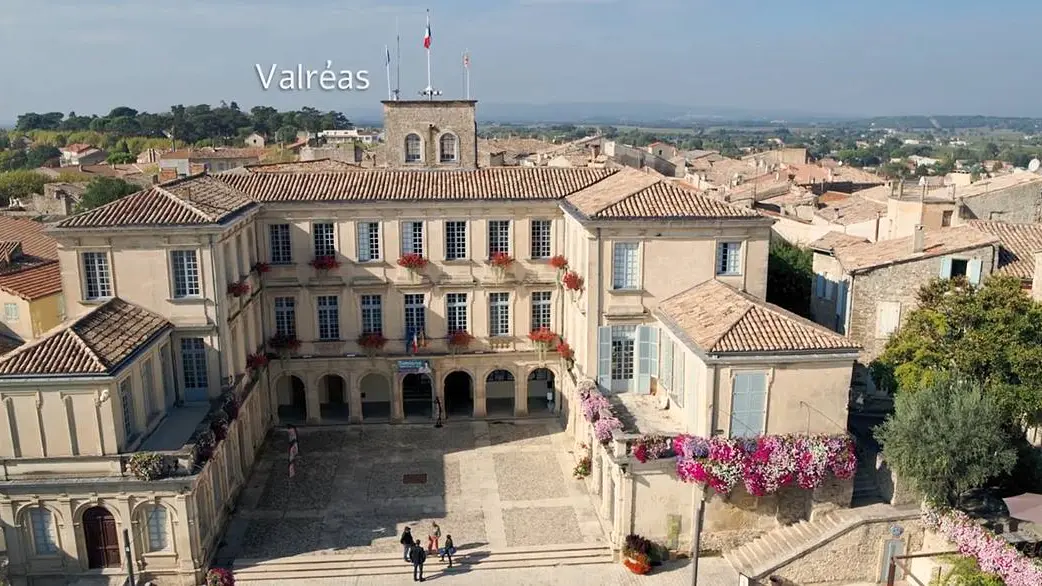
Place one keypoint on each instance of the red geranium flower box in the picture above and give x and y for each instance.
(412, 261)
(559, 262)
(572, 281)
(261, 267)
(460, 339)
(543, 337)
(501, 260)
(325, 263)
(372, 341)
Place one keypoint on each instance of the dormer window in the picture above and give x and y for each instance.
(447, 148)
(413, 148)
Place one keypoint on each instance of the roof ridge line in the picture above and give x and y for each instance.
(85, 346)
(58, 330)
(734, 324)
(183, 203)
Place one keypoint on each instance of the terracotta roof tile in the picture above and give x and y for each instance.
(861, 257)
(631, 194)
(377, 185)
(851, 209)
(719, 319)
(207, 154)
(10, 250)
(1019, 242)
(99, 343)
(34, 282)
(314, 166)
(830, 241)
(195, 200)
(35, 242)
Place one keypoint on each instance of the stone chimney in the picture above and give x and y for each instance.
(1036, 281)
(918, 239)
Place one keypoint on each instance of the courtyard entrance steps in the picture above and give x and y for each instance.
(336, 565)
(777, 549)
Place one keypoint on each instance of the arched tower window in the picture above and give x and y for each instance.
(447, 148)
(413, 148)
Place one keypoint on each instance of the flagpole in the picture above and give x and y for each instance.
(398, 82)
(430, 88)
(467, 73)
(387, 58)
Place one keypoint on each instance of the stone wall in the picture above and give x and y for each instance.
(899, 282)
(853, 557)
(1020, 203)
(430, 120)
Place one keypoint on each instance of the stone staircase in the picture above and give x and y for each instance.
(342, 565)
(772, 551)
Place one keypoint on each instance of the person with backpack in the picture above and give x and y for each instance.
(407, 542)
(417, 556)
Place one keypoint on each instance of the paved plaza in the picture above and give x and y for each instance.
(490, 485)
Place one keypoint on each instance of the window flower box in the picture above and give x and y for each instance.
(543, 339)
(256, 361)
(239, 288)
(500, 262)
(372, 343)
(325, 263)
(261, 267)
(652, 447)
(566, 352)
(459, 340)
(282, 343)
(413, 262)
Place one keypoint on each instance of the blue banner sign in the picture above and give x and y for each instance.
(413, 366)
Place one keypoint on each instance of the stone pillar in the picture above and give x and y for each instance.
(439, 394)
(607, 489)
(354, 398)
(314, 411)
(397, 400)
(480, 394)
(182, 525)
(521, 397)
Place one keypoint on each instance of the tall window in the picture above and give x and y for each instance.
(413, 148)
(11, 312)
(372, 314)
(456, 312)
(158, 528)
(325, 245)
(540, 310)
(622, 350)
(45, 538)
(498, 237)
(540, 238)
(185, 265)
(281, 247)
(96, 275)
(415, 314)
(447, 148)
(729, 258)
(193, 365)
(748, 404)
(328, 317)
(499, 314)
(412, 238)
(455, 240)
(286, 316)
(148, 386)
(126, 398)
(368, 241)
(625, 267)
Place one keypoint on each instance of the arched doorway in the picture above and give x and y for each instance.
(376, 396)
(540, 382)
(101, 538)
(459, 394)
(417, 395)
(499, 393)
(332, 397)
(293, 400)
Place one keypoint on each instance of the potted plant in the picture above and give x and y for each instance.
(147, 466)
(261, 267)
(220, 577)
(573, 282)
(652, 447)
(543, 339)
(283, 343)
(459, 340)
(219, 425)
(325, 263)
(501, 261)
(372, 343)
(566, 353)
(239, 288)
(560, 263)
(257, 361)
(582, 469)
(231, 407)
(413, 262)
(637, 554)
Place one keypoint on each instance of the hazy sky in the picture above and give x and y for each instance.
(815, 56)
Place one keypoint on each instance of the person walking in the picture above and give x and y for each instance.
(448, 550)
(434, 538)
(417, 556)
(407, 542)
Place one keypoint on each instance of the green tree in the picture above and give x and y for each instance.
(39, 155)
(947, 438)
(12, 160)
(20, 183)
(966, 572)
(990, 334)
(103, 190)
(120, 158)
(790, 275)
(286, 134)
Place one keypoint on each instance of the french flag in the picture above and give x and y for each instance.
(427, 34)
(414, 341)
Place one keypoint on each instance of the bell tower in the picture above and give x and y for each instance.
(430, 134)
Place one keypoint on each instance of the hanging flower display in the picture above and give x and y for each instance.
(325, 263)
(412, 261)
(565, 351)
(283, 342)
(261, 267)
(459, 340)
(501, 260)
(220, 577)
(543, 338)
(592, 404)
(559, 262)
(652, 447)
(993, 554)
(256, 361)
(764, 464)
(572, 281)
(239, 288)
(603, 427)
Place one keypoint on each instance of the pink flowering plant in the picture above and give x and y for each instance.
(652, 447)
(593, 404)
(763, 464)
(603, 427)
(992, 553)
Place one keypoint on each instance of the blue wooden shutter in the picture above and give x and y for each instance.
(643, 360)
(973, 272)
(667, 362)
(653, 355)
(363, 241)
(604, 357)
(841, 306)
(819, 286)
(946, 268)
(748, 404)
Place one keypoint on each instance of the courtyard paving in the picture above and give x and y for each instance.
(489, 484)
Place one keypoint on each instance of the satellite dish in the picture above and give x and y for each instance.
(1034, 165)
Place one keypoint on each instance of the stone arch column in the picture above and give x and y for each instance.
(314, 412)
(397, 403)
(480, 395)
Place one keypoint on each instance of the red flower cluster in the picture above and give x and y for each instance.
(239, 288)
(261, 267)
(543, 336)
(460, 339)
(572, 281)
(255, 361)
(220, 577)
(372, 341)
(284, 342)
(412, 261)
(565, 350)
(501, 260)
(325, 263)
(559, 262)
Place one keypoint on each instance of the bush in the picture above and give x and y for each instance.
(147, 466)
(790, 276)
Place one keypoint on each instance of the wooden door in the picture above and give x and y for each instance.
(101, 538)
